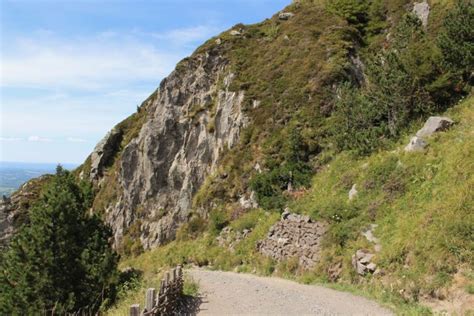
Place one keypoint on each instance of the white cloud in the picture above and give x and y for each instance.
(39, 139)
(76, 140)
(189, 35)
(84, 63)
(10, 139)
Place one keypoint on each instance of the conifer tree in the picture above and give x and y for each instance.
(62, 261)
(457, 39)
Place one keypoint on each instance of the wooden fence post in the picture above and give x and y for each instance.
(135, 310)
(150, 299)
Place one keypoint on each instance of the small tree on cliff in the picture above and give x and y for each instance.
(62, 261)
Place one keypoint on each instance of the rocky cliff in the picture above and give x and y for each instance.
(191, 121)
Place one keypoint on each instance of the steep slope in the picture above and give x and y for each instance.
(194, 121)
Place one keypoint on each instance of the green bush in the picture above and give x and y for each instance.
(192, 229)
(218, 219)
(397, 91)
(354, 11)
(289, 165)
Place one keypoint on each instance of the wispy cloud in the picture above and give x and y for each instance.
(188, 35)
(39, 139)
(86, 65)
(76, 140)
(105, 59)
(11, 139)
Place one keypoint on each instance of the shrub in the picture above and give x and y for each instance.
(191, 229)
(456, 41)
(218, 219)
(395, 95)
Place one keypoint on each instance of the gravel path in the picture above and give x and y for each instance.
(228, 293)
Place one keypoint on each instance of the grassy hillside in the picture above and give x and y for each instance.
(325, 122)
(422, 203)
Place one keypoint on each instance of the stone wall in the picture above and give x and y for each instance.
(294, 236)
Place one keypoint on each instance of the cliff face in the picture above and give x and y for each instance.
(191, 121)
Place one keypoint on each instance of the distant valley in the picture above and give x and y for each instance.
(14, 174)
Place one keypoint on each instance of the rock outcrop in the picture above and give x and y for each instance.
(416, 144)
(353, 192)
(14, 209)
(422, 11)
(362, 262)
(191, 121)
(294, 236)
(6, 221)
(435, 124)
(104, 152)
(432, 125)
(285, 15)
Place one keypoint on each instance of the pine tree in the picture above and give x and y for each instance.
(457, 40)
(62, 261)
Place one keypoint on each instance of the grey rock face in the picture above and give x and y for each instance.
(422, 11)
(294, 236)
(103, 152)
(416, 144)
(165, 165)
(435, 124)
(6, 223)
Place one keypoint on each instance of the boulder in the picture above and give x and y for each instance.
(422, 11)
(371, 267)
(416, 144)
(353, 192)
(285, 15)
(435, 124)
(362, 262)
(235, 33)
(248, 203)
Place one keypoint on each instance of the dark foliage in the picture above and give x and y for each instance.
(62, 261)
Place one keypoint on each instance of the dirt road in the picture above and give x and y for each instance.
(228, 293)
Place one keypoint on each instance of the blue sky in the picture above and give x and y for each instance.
(72, 69)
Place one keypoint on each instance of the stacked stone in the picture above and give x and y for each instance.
(294, 236)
